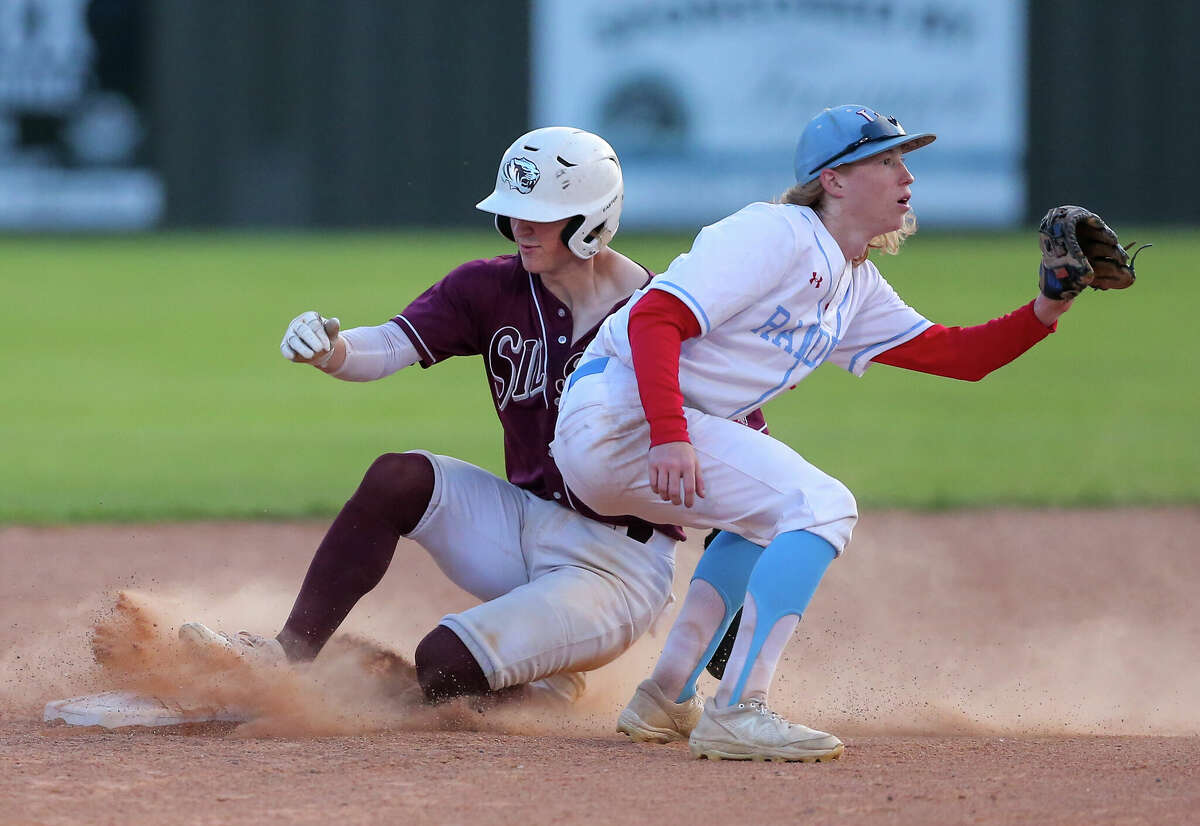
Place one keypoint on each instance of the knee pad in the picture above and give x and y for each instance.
(725, 565)
(783, 582)
(445, 667)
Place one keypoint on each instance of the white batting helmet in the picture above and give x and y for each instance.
(555, 173)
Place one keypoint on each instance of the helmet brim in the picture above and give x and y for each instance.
(513, 206)
(905, 143)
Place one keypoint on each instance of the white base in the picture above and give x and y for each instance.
(114, 709)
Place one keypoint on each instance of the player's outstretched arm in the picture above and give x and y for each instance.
(357, 354)
(312, 339)
(1078, 250)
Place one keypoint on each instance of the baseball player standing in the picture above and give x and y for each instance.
(562, 589)
(764, 297)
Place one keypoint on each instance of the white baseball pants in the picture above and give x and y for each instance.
(757, 487)
(560, 592)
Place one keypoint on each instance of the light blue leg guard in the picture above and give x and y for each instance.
(783, 582)
(725, 565)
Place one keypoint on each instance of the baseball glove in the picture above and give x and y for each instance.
(1079, 250)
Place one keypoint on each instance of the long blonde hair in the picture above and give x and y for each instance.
(812, 194)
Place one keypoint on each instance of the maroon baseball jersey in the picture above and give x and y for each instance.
(495, 309)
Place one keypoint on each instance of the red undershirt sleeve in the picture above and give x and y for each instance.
(969, 353)
(658, 325)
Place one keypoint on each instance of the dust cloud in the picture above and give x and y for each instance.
(1004, 622)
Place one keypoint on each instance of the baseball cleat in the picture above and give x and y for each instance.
(651, 718)
(564, 688)
(249, 647)
(751, 731)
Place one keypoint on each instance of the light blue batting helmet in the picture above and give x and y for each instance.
(850, 133)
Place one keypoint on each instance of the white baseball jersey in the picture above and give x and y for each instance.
(775, 298)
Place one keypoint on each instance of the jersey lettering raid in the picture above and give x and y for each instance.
(775, 299)
(815, 345)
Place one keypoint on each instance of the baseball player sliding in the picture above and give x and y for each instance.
(763, 298)
(562, 589)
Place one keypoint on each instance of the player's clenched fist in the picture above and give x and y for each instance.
(675, 473)
(310, 339)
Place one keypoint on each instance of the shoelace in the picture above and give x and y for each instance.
(251, 640)
(761, 708)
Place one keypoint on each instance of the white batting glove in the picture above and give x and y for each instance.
(309, 338)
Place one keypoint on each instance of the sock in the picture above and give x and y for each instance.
(782, 583)
(714, 596)
(763, 668)
(357, 549)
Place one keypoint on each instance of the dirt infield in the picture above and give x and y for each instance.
(985, 667)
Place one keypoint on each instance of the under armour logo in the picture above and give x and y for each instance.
(816, 280)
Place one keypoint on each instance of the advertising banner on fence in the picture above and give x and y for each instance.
(704, 99)
(72, 123)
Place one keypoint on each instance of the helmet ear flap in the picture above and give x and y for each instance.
(504, 226)
(570, 229)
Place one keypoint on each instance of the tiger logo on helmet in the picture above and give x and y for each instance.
(521, 174)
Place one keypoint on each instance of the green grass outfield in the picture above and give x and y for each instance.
(143, 380)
